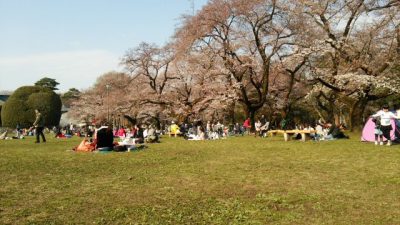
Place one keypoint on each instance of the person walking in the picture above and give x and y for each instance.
(385, 117)
(39, 126)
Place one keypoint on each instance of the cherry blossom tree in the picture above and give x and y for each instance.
(202, 89)
(108, 98)
(336, 55)
(248, 37)
(357, 53)
(150, 64)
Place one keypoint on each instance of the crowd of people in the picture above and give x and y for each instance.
(106, 138)
(216, 130)
(102, 137)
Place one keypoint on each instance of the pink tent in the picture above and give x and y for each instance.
(368, 133)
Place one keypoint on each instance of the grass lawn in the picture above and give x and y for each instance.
(241, 180)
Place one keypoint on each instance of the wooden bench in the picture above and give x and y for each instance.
(170, 134)
(288, 133)
(275, 132)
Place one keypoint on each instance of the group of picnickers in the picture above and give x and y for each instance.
(216, 130)
(199, 130)
(382, 120)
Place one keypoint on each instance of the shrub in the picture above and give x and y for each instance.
(21, 105)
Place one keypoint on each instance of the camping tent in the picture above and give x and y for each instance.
(368, 133)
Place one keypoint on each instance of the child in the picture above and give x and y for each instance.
(378, 132)
(385, 122)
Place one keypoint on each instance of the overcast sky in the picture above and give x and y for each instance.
(75, 41)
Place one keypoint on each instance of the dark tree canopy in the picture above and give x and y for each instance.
(48, 83)
(20, 107)
(72, 93)
(69, 96)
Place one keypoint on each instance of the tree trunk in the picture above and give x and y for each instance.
(252, 115)
(232, 113)
(357, 114)
(336, 119)
(351, 117)
(158, 123)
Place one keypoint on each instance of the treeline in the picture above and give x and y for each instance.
(292, 59)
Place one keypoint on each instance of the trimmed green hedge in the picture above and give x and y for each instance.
(20, 107)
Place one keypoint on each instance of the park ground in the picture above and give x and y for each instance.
(241, 180)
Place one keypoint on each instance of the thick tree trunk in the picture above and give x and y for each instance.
(351, 117)
(232, 113)
(336, 119)
(158, 123)
(284, 113)
(357, 114)
(252, 115)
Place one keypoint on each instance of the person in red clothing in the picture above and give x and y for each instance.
(121, 132)
(247, 125)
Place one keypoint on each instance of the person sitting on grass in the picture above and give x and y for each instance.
(121, 132)
(238, 130)
(139, 135)
(3, 135)
(174, 129)
(319, 132)
(151, 135)
(264, 129)
(334, 132)
(257, 125)
(58, 133)
(308, 127)
(201, 135)
(105, 138)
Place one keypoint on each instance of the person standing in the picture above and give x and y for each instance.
(377, 131)
(385, 117)
(39, 126)
(247, 125)
(18, 131)
(71, 129)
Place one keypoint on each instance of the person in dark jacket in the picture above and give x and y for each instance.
(336, 132)
(105, 138)
(39, 126)
(139, 135)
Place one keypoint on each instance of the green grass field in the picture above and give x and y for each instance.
(241, 180)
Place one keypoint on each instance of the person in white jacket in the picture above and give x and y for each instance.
(386, 116)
